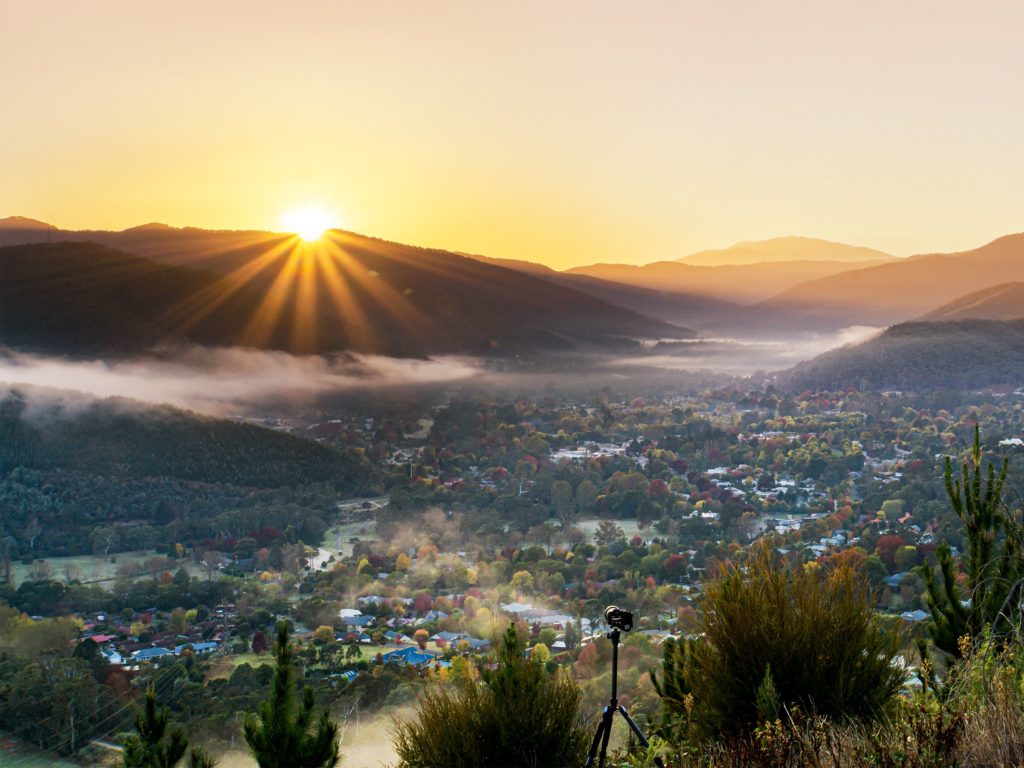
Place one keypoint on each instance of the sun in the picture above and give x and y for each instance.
(308, 223)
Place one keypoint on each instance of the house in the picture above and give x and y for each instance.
(914, 616)
(412, 657)
(516, 608)
(894, 580)
(151, 654)
(198, 648)
(448, 637)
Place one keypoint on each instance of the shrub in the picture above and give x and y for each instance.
(519, 715)
(778, 636)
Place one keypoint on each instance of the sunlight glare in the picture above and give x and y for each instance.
(308, 223)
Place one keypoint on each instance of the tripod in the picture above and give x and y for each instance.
(604, 728)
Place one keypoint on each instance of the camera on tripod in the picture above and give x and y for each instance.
(619, 621)
(617, 618)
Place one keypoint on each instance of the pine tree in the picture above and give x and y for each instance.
(156, 743)
(283, 734)
(994, 564)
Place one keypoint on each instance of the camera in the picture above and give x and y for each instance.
(617, 618)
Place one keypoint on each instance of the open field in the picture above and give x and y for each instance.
(589, 527)
(100, 569)
(13, 753)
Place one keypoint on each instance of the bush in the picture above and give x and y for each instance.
(519, 715)
(780, 637)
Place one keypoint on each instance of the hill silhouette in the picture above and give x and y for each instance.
(735, 283)
(686, 309)
(271, 292)
(1000, 302)
(965, 354)
(892, 292)
(780, 249)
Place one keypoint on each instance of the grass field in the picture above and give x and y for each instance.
(629, 527)
(94, 568)
(13, 753)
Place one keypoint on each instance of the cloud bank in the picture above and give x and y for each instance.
(222, 380)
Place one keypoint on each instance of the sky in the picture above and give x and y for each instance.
(561, 132)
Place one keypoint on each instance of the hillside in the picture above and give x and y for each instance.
(685, 309)
(735, 283)
(354, 293)
(72, 463)
(1000, 302)
(892, 292)
(784, 249)
(83, 298)
(966, 354)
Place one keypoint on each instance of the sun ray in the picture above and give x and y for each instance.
(261, 328)
(389, 300)
(304, 311)
(354, 320)
(206, 301)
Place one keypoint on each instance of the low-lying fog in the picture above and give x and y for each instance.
(230, 380)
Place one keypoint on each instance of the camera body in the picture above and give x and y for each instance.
(617, 618)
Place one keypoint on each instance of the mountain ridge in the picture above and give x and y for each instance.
(368, 298)
(784, 249)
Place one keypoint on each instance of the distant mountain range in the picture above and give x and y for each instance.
(892, 292)
(267, 291)
(371, 295)
(686, 309)
(782, 249)
(964, 354)
(735, 283)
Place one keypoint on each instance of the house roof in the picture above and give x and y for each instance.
(151, 653)
(411, 656)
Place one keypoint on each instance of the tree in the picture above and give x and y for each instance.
(155, 745)
(995, 565)
(323, 635)
(815, 634)
(522, 581)
(283, 733)
(421, 636)
(518, 714)
(607, 532)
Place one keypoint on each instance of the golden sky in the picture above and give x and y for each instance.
(561, 132)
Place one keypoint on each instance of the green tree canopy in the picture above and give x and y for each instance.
(285, 732)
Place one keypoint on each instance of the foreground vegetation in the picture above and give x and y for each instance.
(777, 549)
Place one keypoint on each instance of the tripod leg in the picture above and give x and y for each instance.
(597, 740)
(608, 712)
(639, 734)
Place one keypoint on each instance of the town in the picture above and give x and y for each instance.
(532, 511)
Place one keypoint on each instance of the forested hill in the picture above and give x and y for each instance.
(130, 476)
(123, 438)
(346, 293)
(966, 354)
